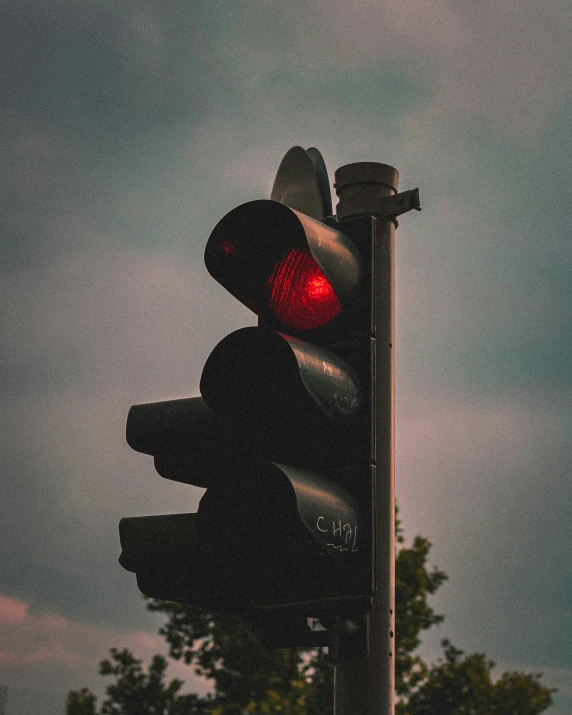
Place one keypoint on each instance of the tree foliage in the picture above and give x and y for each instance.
(81, 702)
(414, 582)
(134, 692)
(248, 679)
(464, 686)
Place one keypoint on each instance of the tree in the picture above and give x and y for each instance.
(413, 584)
(81, 702)
(248, 679)
(464, 686)
(134, 692)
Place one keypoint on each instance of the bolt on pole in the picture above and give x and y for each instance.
(366, 685)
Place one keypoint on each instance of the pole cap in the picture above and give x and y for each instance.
(359, 187)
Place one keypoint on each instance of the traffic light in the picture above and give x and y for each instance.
(282, 436)
(298, 519)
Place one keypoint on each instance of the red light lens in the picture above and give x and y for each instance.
(300, 294)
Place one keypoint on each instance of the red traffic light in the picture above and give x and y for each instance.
(283, 265)
(301, 296)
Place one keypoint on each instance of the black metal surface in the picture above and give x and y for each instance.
(284, 629)
(167, 556)
(281, 438)
(264, 377)
(189, 442)
(249, 241)
(302, 183)
(322, 180)
(272, 533)
(270, 510)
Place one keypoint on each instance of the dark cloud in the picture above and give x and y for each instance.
(103, 71)
(88, 91)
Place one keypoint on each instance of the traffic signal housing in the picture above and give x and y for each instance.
(300, 385)
(281, 437)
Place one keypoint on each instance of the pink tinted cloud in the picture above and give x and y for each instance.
(22, 629)
(12, 611)
(55, 653)
(38, 637)
(36, 647)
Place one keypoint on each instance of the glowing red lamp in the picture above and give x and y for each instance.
(301, 296)
(285, 266)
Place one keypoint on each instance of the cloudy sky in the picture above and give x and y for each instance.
(129, 128)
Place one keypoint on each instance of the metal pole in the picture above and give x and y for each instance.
(365, 685)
